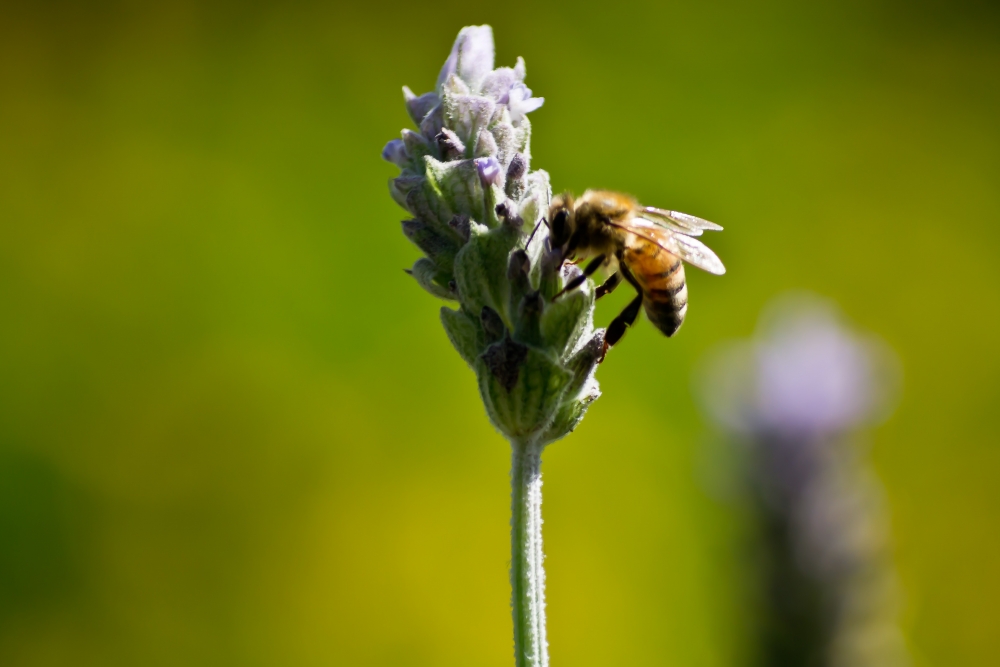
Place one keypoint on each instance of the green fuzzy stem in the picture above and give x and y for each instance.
(527, 574)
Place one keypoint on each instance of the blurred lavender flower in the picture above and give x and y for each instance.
(806, 376)
(821, 551)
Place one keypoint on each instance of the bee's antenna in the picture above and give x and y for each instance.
(528, 242)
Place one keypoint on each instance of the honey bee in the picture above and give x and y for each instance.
(643, 244)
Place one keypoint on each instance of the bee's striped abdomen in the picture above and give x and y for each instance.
(661, 276)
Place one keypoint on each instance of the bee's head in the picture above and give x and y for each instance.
(561, 220)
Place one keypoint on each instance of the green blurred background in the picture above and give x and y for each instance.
(233, 432)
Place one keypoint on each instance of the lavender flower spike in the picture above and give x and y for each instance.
(466, 184)
(825, 583)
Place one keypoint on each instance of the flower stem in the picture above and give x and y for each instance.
(527, 575)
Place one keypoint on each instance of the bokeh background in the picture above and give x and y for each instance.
(233, 432)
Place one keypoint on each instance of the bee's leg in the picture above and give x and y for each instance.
(626, 319)
(609, 285)
(539, 224)
(576, 282)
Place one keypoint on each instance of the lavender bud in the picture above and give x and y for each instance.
(395, 152)
(440, 246)
(432, 123)
(504, 360)
(451, 146)
(460, 223)
(419, 107)
(493, 326)
(471, 56)
(529, 325)
(490, 172)
(518, 167)
(486, 145)
(416, 145)
(518, 266)
(517, 170)
(507, 212)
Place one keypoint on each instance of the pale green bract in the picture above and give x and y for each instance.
(465, 179)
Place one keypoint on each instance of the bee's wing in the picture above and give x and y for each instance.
(689, 249)
(677, 221)
(698, 254)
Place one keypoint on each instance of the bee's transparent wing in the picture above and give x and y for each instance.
(682, 245)
(697, 254)
(679, 222)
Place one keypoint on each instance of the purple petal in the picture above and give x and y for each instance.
(521, 102)
(490, 171)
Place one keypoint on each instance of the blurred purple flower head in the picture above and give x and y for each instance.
(490, 172)
(804, 375)
(812, 376)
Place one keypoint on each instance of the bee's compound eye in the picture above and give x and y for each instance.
(560, 227)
